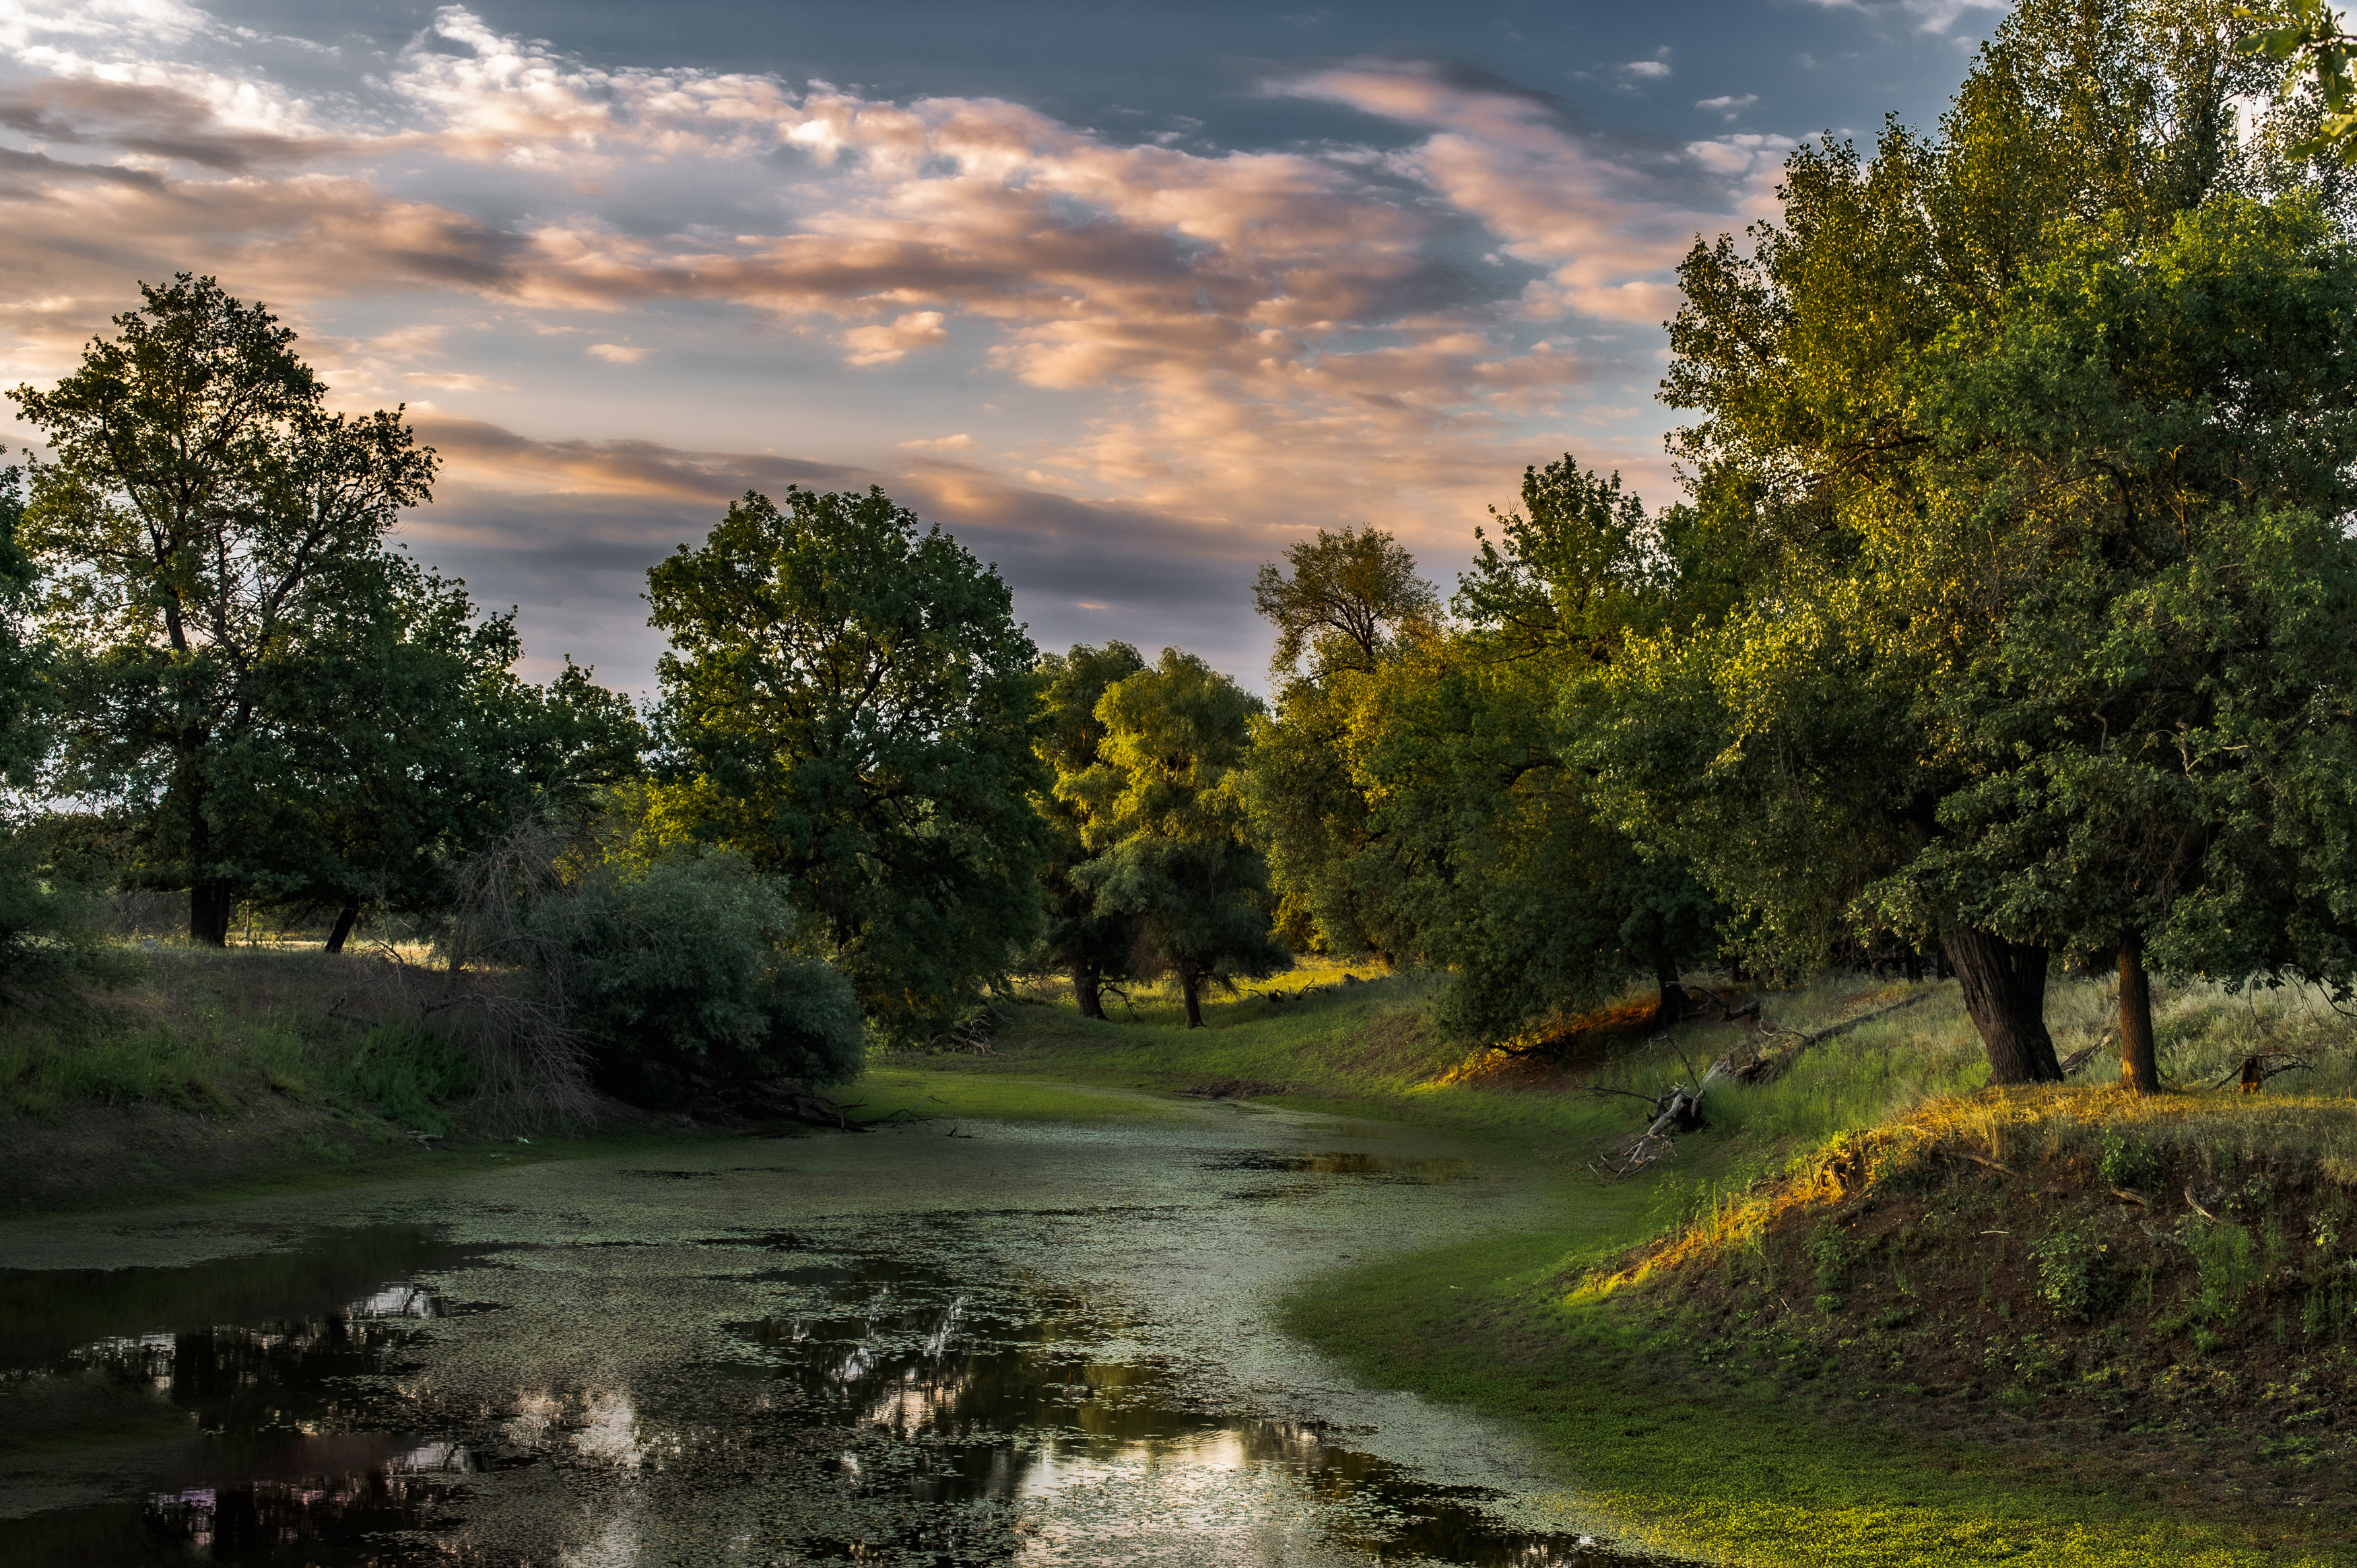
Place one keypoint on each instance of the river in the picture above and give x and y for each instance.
(988, 1343)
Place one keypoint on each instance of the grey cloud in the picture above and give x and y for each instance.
(157, 120)
(573, 557)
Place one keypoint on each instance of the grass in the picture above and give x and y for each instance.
(1768, 1469)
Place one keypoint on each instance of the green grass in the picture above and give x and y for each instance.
(1743, 1478)
(217, 1032)
(1738, 1473)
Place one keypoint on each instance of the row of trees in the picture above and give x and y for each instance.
(2008, 613)
(2010, 608)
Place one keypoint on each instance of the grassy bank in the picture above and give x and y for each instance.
(1636, 1337)
(1872, 1314)
(250, 1069)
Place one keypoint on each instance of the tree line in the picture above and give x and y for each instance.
(2004, 621)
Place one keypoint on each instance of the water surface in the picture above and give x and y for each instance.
(1033, 1346)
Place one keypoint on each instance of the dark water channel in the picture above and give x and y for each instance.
(751, 1359)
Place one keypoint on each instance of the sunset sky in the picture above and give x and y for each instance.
(1127, 298)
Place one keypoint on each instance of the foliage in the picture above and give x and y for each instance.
(1419, 805)
(199, 513)
(1349, 597)
(2074, 1273)
(412, 1075)
(1093, 945)
(683, 967)
(2309, 38)
(1161, 811)
(2021, 453)
(270, 704)
(849, 702)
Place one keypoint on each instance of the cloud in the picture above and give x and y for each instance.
(1729, 104)
(884, 344)
(567, 529)
(1929, 15)
(1214, 347)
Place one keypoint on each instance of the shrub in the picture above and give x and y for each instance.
(2074, 1272)
(411, 1074)
(2126, 1162)
(682, 966)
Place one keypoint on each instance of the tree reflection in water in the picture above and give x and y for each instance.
(908, 1404)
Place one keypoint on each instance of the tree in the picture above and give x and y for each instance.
(1424, 806)
(2153, 444)
(1161, 809)
(1923, 457)
(1092, 946)
(199, 512)
(848, 702)
(1348, 596)
(46, 935)
(405, 744)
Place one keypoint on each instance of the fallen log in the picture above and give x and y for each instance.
(1764, 1066)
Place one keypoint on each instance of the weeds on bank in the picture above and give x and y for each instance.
(216, 1032)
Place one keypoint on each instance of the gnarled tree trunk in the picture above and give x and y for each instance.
(2005, 995)
(1190, 991)
(1085, 982)
(2139, 1068)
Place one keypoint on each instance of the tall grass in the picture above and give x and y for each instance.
(219, 1032)
(1374, 1044)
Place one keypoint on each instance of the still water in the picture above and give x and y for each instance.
(1033, 1345)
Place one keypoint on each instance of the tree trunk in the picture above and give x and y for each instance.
(211, 905)
(1190, 991)
(2005, 994)
(1673, 994)
(345, 917)
(2139, 1069)
(1084, 991)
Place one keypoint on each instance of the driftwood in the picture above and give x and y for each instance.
(2086, 1053)
(1677, 1109)
(1765, 1066)
(1727, 1013)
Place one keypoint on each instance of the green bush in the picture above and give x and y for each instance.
(2228, 1261)
(2074, 1272)
(410, 1074)
(681, 967)
(2126, 1162)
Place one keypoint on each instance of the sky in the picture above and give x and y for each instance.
(1127, 297)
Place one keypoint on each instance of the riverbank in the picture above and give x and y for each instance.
(2116, 1412)
(1709, 1345)
(228, 1074)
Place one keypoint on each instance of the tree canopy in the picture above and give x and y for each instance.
(1161, 809)
(849, 702)
(1091, 945)
(2024, 443)
(271, 701)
